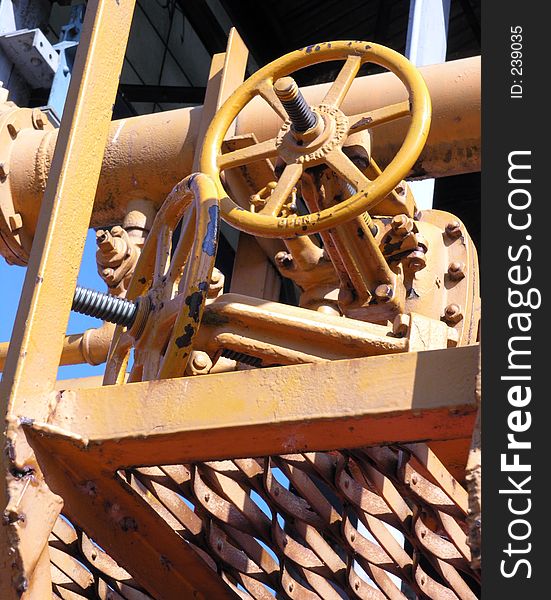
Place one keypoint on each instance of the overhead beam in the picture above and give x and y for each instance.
(205, 24)
(172, 94)
(386, 399)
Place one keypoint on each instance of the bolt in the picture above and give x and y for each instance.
(104, 306)
(302, 116)
(14, 129)
(105, 241)
(456, 271)
(15, 221)
(453, 229)
(416, 261)
(452, 314)
(401, 188)
(38, 119)
(200, 360)
(400, 326)
(284, 260)
(384, 292)
(401, 225)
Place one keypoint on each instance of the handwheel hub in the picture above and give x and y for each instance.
(330, 134)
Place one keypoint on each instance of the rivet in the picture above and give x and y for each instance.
(456, 271)
(452, 314)
(453, 229)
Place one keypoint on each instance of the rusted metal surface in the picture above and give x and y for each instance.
(318, 145)
(28, 506)
(145, 155)
(291, 480)
(174, 280)
(399, 397)
(311, 525)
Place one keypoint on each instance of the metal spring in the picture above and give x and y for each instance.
(253, 361)
(104, 306)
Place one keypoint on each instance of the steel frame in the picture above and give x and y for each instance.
(80, 438)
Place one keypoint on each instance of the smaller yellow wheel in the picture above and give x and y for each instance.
(171, 286)
(305, 141)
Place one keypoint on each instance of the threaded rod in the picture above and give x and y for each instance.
(104, 306)
(302, 116)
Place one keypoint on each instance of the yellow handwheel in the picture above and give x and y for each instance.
(305, 140)
(171, 287)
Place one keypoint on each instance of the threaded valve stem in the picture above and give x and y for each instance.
(104, 306)
(302, 116)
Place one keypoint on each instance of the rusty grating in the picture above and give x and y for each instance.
(312, 525)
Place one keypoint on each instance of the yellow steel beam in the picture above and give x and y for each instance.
(134, 535)
(30, 371)
(385, 399)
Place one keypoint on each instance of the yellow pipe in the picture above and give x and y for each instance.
(89, 347)
(146, 155)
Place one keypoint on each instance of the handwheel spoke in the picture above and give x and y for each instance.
(266, 91)
(289, 178)
(163, 254)
(342, 83)
(243, 156)
(379, 116)
(181, 254)
(343, 166)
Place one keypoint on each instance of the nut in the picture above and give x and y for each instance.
(453, 229)
(416, 261)
(383, 292)
(401, 188)
(200, 360)
(456, 271)
(38, 118)
(400, 326)
(284, 260)
(452, 314)
(402, 225)
(105, 241)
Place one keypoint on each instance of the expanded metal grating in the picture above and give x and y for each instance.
(375, 523)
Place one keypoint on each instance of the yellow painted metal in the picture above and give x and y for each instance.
(145, 155)
(30, 373)
(328, 150)
(298, 408)
(176, 283)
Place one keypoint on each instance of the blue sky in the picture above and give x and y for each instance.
(11, 280)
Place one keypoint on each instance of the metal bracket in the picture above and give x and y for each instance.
(34, 56)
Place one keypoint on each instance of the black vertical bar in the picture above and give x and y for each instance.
(515, 332)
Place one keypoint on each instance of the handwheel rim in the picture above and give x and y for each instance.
(196, 193)
(396, 170)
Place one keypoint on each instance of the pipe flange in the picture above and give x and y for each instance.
(15, 240)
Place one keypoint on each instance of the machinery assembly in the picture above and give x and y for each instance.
(296, 417)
